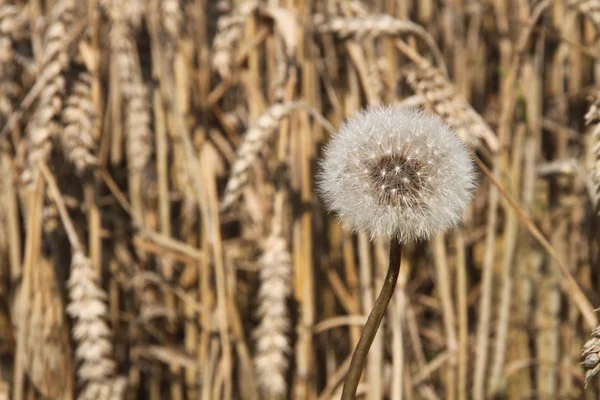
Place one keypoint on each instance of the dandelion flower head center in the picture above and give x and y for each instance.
(396, 171)
(398, 180)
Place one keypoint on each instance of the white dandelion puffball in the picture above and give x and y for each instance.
(397, 171)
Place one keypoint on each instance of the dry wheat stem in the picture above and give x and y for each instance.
(570, 285)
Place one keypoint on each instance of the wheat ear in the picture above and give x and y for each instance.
(78, 117)
(45, 124)
(87, 306)
(444, 99)
(592, 118)
(230, 28)
(133, 89)
(171, 18)
(256, 137)
(271, 335)
(589, 8)
(12, 26)
(591, 355)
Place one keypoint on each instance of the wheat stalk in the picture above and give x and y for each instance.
(45, 332)
(256, 137)
(271, 335)
(78, 117)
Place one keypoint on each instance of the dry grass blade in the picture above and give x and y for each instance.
(272, 334)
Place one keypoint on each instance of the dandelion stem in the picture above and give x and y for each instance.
(373, 322)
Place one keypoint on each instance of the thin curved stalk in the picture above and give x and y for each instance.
(373, 322)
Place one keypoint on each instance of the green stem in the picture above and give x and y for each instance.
(373, 322)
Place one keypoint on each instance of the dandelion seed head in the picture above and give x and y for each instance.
(415, 172)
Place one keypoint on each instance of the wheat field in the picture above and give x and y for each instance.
(161, 235)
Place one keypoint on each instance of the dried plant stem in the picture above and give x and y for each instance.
(373, 322)
(462, 308)
(511, 230)
(569, 284)
(62, 208)
(443, 285)
(485, 302)
(12, 216)
(35, 202)
(396, 320)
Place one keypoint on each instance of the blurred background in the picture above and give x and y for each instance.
(160, 232)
